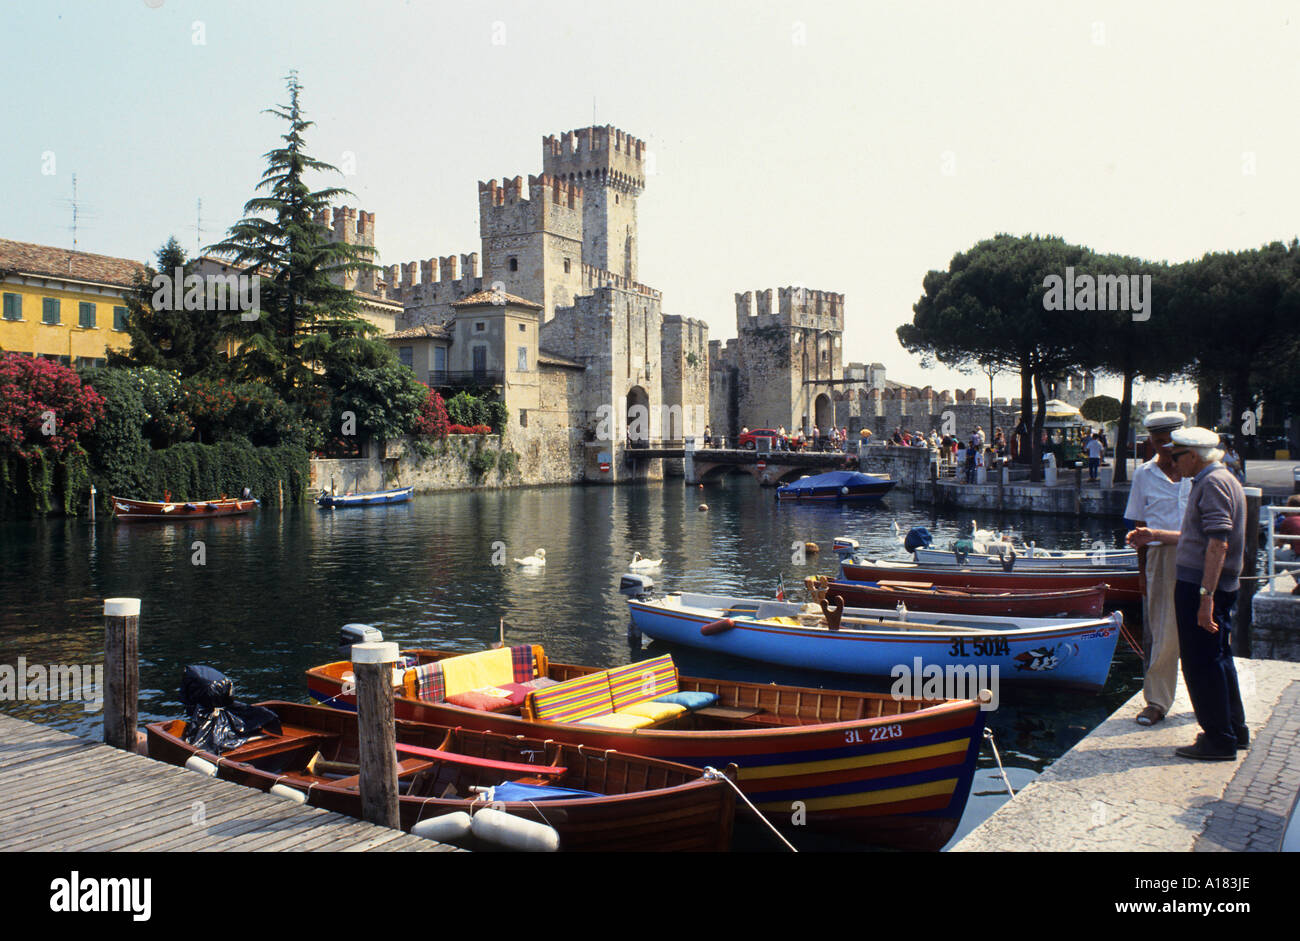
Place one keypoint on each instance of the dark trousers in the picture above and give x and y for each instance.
(1208, 668)
(1093, 464)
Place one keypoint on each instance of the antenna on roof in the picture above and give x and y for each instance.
(74, 213)
(198, 229)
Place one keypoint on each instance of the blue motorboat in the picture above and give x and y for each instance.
(376, 498)
(837, 485)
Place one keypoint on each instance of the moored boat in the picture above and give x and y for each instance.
(837, 485)
(1121, 584)
(373, 498)
(1004, 602)
(1072, 653)
(1031, 558)
(890, 771)
(614, 801)
(129, 510)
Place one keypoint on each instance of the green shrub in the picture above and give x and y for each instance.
(483, 461)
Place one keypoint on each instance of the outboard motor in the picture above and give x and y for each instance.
(845, 547)
(917, 537)
(636, 585)
(351, 634)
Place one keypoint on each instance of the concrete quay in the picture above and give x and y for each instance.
(1123, 789)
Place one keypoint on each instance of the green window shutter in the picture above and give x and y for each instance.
(88, 315)
(49, 310)
(13, 307)
(119, 318)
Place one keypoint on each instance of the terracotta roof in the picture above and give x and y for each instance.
(26, 258)
(555, 359)
(495, 298)
(423, 330)
(377, 299)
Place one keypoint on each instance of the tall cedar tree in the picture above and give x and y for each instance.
(308, 338)
(175, 340)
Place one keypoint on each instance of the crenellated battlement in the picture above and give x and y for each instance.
(596, 155)
(593, 278)
(550, 205)
(349, 225)
(511, 191)
(796, 307)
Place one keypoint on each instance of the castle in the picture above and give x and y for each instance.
(586, 360)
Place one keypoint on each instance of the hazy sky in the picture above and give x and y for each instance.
(842, 146)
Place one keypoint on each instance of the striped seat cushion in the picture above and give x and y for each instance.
(641, 682)
(618, 720)
(654, 711)
(571, 701)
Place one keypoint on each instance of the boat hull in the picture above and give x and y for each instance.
(695, 815)
(128, 510)
(1071, 655)
(1121, 584)
(899, 780)
(847, 487)
(377, 498)
(1075, 602)
(1109, 558)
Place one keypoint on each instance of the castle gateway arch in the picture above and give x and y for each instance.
(638, 416)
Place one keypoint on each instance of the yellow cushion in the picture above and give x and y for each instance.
(618, 720)
(476, 670)
(654, 711)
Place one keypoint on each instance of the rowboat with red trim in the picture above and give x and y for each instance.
(1121, 584)
(884, 770)
(127, 510)
(617, 801)
(1087, 602)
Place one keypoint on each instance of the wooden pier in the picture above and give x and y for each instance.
(67, 793)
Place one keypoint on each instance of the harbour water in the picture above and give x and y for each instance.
(273, 589)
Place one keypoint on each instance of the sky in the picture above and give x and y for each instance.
(848, 147)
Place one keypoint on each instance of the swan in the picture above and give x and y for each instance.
(639, 562)
(537, 560)
(983, 535)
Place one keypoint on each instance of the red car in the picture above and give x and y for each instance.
(749, 440)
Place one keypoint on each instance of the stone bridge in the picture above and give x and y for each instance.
(773, 468)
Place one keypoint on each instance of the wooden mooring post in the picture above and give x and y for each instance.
(1242, 613)
(372, 664)
(121, 671)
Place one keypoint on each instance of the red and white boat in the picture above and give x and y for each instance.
(1001, 602)
(1121, 584)
(128, 510)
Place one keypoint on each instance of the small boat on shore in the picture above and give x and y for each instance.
(128, 510)
(374, 498)
(1087, 602)
(1073, 653)
(837, 486)
(595, 800)
(893, 771)
(1121, 584)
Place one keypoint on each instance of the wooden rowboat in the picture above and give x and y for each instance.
(638, 804)
(884, 770)
(128, 510)
(1121, 584)
(1040, 559)
(1057, 652)
(1086, 602)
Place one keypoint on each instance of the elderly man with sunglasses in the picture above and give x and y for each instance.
(1207, 568)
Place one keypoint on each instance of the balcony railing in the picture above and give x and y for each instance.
(440, 378)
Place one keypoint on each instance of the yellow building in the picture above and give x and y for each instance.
(63, 305)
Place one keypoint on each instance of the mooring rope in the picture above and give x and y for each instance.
(988, 734)
(711, 772)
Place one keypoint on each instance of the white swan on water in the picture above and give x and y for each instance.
(536, 560)
(639, 562)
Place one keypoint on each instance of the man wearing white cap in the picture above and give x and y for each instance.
(1207, 568)
(1157, 501)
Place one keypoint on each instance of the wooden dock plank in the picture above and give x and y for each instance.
(66, 793)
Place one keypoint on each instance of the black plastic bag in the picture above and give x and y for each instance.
(216, 721)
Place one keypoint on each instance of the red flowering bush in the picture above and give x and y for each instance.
(43, 404)
(432, 419)
(469, 429)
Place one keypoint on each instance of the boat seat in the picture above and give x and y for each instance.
(621, 698)
(406, 768)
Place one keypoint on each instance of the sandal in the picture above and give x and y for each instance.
(1150, 715)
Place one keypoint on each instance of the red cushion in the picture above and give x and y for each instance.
(517, 691)
(482, 701)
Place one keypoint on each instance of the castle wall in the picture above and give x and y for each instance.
(685, 357)
(529, 242)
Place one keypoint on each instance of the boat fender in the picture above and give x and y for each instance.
(449, 828)
(502, 829)
(844, 490)
(704, 507)
(289, 793)
(202, 766)
(720, 626)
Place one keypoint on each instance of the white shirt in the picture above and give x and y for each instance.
(1157, 499)
(1094, 449)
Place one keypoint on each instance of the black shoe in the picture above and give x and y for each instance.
(1243, 738)
(1202, 752)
